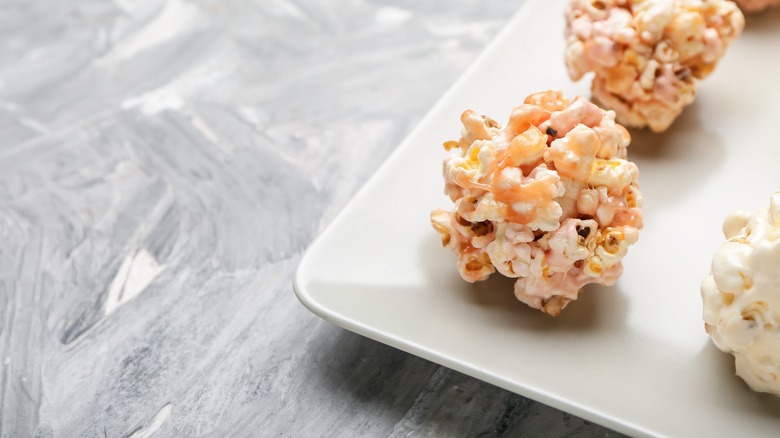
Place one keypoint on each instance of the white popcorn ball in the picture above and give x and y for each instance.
(741, 296)
(549, 199)
(647, 54)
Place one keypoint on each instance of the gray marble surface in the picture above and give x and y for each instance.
(163, 165)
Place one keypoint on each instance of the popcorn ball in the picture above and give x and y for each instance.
(647, 54)
(741, 296)
(548, 199)
(756, 5)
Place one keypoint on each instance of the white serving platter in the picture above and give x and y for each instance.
(633, 357)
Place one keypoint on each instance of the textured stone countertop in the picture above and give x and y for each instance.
(163, 166)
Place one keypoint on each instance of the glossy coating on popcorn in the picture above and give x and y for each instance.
(741, 297)
(647, 54)
(756, 5)
(548, 199)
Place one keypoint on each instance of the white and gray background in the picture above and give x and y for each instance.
(163, 166)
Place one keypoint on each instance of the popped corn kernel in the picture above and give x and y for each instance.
(741, 296)
(549, 199)
(646, 55)
(616, 175)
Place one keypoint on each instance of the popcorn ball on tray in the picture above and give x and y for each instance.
(647, 54)
(549, 199)
(741, 296)
(756, 5)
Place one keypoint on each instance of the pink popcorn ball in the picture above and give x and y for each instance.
(549, 199)
(646, 55)
(756, 5)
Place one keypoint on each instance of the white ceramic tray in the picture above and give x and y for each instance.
(633, 357)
